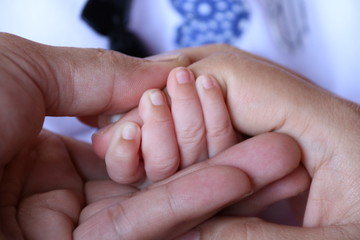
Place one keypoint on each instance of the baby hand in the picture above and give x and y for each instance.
(168, 132)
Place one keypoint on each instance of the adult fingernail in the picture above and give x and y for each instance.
(165, 57)
(192, 235)
(129, 131)
(157, 98)
(184, 76)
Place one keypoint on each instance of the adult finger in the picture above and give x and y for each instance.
(102, 138)
(191, 196)
(232, 228)
(270, 160)
(175, 207)
(272, 156)
(40, 79)
(289, 186)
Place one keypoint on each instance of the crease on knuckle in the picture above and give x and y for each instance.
(219, 131)
(191, 134)
(160, 120)
(162, 166)
(121, 224)
(113, 61)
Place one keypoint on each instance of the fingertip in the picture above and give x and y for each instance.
(122, 156)
(151, 98)
(284, 153)
(289, 151)
(265, 158)
(130, 131)
(154, 106)
(179, 75)
(184, 76)
(101, 139)
(157, 98)
(206, 81)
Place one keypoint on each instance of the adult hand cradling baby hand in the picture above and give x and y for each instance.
(54, 187)
(263, 97)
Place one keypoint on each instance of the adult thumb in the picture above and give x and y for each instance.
(39, 80)
(77, 81)
(97, 81)
(233, 228)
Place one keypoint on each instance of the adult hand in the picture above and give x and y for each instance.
(54, 187)
(264, 97)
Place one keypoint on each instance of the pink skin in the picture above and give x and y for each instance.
(197, 127)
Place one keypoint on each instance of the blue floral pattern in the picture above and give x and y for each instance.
(210, 21)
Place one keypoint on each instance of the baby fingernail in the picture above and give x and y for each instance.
(207, 82)
(184, 76)
(157, 98)
(129, 131)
